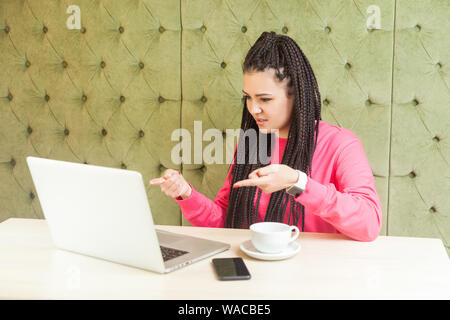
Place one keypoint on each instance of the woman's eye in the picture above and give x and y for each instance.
(262, 99)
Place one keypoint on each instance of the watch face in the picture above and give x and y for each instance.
(294, 191)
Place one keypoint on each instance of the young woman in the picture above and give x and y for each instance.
(323, 182)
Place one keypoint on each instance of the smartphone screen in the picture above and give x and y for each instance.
(231, 269)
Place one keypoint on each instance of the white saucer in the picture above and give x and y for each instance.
(249, 249)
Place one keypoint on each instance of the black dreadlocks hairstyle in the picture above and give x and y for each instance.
(284, 55)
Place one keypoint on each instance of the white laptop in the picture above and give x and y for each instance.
(104, 213)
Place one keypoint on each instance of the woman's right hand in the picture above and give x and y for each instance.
(173, 184)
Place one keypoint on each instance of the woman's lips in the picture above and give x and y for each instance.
(261, 121)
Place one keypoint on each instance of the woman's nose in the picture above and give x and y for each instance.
(255, 109)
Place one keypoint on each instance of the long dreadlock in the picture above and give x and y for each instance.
(281, 53)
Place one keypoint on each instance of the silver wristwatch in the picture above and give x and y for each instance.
(297, 188)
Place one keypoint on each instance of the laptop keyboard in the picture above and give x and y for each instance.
(170, 253)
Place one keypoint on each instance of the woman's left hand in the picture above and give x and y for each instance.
(270, 178)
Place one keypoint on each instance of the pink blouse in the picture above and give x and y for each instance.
(340, 195)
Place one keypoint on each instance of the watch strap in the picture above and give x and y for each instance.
(297, 188)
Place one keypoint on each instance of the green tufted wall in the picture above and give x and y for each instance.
(112, 92)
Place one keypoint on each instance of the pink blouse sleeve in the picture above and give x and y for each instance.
(201, 211)
(354, 209)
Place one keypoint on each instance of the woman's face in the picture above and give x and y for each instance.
(267, 101)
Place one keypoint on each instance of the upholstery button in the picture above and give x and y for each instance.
(10, 96)
(32, 195)
(85, 162)
(412, 174)
(203, 99)
(436, 139)
(203, 28)
(83, 30)
(47, 97)
(104, 132)
(12, 162)
(102, 64)
(29, 130)
(326, 102)
(223, 65)
(244, 29)
(27, 64)
(121, 29)
(432, 209)
(44, 29)
(415, 102)
(161, 99)
(284, 29)
(64, 64)
(141, 65)
(141, 133)
(6, 29)
(348, 66)
(161, 29)
(122, 99)
(66, 132)
(368, 102)
(439, 65)
(327, 29)
(123, 165)
(83, 98)
(417, 27)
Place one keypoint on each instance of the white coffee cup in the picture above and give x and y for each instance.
(272, 237)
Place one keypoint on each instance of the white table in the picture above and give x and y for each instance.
(328, 266)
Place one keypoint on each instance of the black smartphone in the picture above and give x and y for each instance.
(231, 269)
